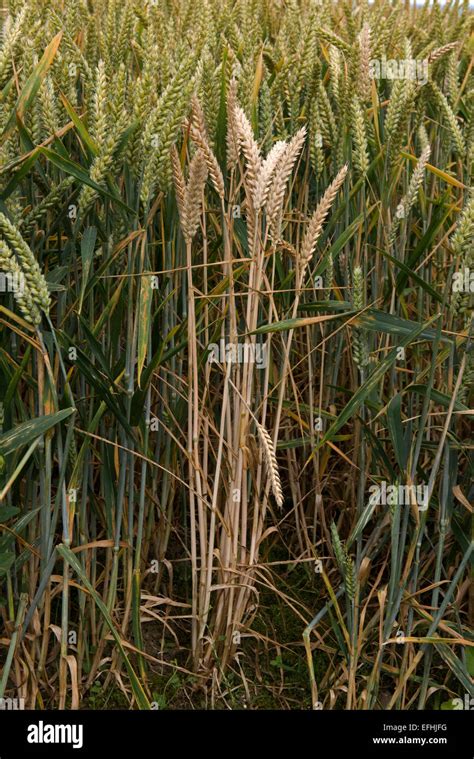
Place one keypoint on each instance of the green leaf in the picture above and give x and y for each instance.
(379, 321)
(456, 666)
(144, 310)
(326, 305)
(87, 253)
(415, 277)
(394, 419)
(7, 512)
(6, 560)
(79, 124)
(20, 174)
(27, 431)
(304, 321)
(437, 397)
(78, 172)
(470, 661)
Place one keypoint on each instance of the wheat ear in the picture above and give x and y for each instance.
(266, 175)
(276, 195)
(199, 136)
(179, 181)
(193, 196)
(232, 139)
(364, 80)
(435, 55)
(317, 220)
(250, 149)
(271, 464)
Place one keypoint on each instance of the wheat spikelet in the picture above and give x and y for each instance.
(29, 265)
(268, 169)
(118, 104)
(335, 69)
(316, 152)
(99, 168)
(452, 78)
(463, 238)
(163, 126)
(11, 35)
(193, 196)
(423, 137)
(22, 295)
(337, 546)
(345, 563)
(454, 128)
(250, 149)
(361, 156)
(416, 179)
(28, 223)
(100, 124)
(48, 107)
(318, 218)
(349, 576)
(359, 342)
(364, 62)
(125, 33)
(276, 194)
(408, 201)
(179, 181)
(462, 244)
(271, 463)
(233, 138)
(199, 136)
(332, 39)
(358, 295)
(328, 121)
(198, 121)
(435, 55)
(210, 91)
(395, 108)
(265, 119)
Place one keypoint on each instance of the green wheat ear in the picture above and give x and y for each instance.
(337, 545)
(35, 281)
(345, 562)
(462, 243)
(359, 340)
(23, 297)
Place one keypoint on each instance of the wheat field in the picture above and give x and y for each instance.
(236, 354)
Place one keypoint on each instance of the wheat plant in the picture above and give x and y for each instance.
(236, 354)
